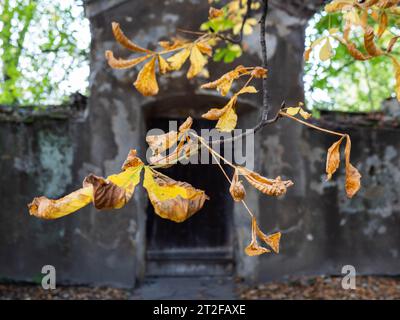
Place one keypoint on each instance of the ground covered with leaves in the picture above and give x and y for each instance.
(322, 287)
(325, 288)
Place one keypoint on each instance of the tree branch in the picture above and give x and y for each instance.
(265, 106)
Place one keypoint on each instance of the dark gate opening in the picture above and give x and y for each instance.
(203, 244)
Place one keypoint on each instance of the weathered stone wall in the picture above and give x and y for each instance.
(321, 229)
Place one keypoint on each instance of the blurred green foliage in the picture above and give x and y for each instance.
(43, 51)
(343, 83)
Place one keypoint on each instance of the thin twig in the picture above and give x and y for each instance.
(265, 109)
(230, 182)
(240, 37)
(311, 125)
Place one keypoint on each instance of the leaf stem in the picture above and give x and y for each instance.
(230, 181)
(284, 114)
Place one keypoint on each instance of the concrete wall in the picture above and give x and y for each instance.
(321, 229)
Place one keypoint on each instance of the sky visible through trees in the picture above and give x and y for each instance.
(44, 48)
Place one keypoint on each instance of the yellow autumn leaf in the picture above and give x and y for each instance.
(227, 122)
(168, 160)
(326, 51)
(176, 42)
(197, 62)
(306, 115)
(146, 82)
(204, 48)
(293, 110)
(122, 63)
(396, 66)
(45, 208)
(178, 59)
(124, 41)
(254, 249)
(113, 192)
(224, 83)
(333, 158)
(353, 177)
(339, 5)
(162, 142)
(333, 31)
(247, 89)
(173, 200)
(127, 180)
(216, 113)
(163, 66)
(272, 240)
(352, 18)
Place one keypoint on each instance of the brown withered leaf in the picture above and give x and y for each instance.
(124, 41)
(224, 83)
(355, 53)
(333, 158)
(236, 189)
(254, 249)
(307, 54)
(383, 23)
(122, 63)
(173, 200)
(259, 72)
(215, 13)
(385, 4)
(271, 187)
(391, 44)
(146, 82)
(369, 43)
(186, 125)
(132, 160)
(353, 177)
(106, 195)
(272, 240)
